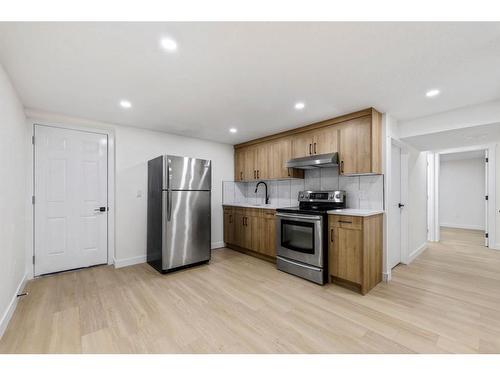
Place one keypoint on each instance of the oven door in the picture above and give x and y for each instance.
(299, 237)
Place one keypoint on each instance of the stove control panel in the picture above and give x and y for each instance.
(322, 196)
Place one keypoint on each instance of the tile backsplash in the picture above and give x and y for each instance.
(365, 192)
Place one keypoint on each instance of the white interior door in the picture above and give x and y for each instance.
(394, 223)
(70, 189)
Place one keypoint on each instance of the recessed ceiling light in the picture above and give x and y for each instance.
(125, 104)
(431, 93)
(169, 44)
(299, 105)
(233, 130)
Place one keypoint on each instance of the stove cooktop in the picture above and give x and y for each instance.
(311, 208)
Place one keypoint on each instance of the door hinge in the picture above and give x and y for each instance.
(32, 199)
(33, 139)
(33, 259)
(486, 197)
(486, 235)
(486, 160)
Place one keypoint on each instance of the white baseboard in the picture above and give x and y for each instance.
(462, 226)
(217, 245)
(415, 253)
(7, 315)
(119, 263)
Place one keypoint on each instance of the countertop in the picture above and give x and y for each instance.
(249, 205)
(345, 211)
(355, 212)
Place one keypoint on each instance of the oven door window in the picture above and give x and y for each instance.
(297, 236)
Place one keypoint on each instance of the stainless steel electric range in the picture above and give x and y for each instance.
(301, 234)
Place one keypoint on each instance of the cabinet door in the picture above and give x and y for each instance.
(239, 164)
(250, 172)
(228, 226)
(345, 260)
(261, 160)
(302, 145)
(267, 236)
(253, 233)
(239, 229)
(326, 140)
(280, 152)
(355, 146)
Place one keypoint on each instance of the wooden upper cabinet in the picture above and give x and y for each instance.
(357, 138)
(360, 143)
(326, 140)
(280, 151)
(302, 145)
(249, 172)
(320, 141)
(355, 146)
(239, 164)
(262, 159)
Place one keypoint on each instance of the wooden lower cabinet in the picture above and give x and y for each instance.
(355, 251)
(250, 229)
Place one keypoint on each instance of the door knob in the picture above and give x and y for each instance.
(400, 205)
(100, 209)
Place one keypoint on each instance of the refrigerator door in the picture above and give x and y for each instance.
(187, 173)
(186, 229)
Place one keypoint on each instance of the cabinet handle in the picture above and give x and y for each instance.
(345, 222)
(341, 167)
(258, 173)
(315, 147)
(310, 145)
(230, 219)
(254, 174)
(331, 235)
(288, 170)
(246, 221)
(241, 175)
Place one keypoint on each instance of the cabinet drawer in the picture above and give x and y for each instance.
(239, 210)
(268, 214)
(228, 210)
(348, 222)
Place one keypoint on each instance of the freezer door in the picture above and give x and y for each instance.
(186, 236)
(188, 174)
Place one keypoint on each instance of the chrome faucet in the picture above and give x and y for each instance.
(257, 186)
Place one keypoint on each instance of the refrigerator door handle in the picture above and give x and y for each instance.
(169, 205)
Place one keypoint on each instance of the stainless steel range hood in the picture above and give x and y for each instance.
(314, 161)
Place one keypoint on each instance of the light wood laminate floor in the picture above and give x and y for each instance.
(446, 301)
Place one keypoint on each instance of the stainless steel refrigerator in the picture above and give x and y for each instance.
(179, 225)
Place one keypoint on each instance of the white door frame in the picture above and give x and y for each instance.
(111, 182)
(433, 190)
(405, 257)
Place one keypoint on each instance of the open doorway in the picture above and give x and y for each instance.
(463, 197)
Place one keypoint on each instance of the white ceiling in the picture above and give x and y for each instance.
(471, 136)
(248, 75)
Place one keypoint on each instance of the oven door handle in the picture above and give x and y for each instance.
(299, 217)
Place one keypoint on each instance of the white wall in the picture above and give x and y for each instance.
(417, 201)
(13, 195)
(472, 116)
(461, 193)
(133, 148)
